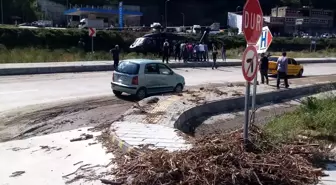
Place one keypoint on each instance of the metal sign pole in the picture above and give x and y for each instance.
(254, 94)
(246, 120)
(92, 44)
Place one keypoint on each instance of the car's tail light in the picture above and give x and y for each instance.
(135, 80)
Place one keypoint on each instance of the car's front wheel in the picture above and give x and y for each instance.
(141, 94)
(178, 88)
(117, 93)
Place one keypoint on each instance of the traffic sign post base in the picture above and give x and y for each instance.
(246, 120)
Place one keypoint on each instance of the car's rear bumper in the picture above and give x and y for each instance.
(123, 88)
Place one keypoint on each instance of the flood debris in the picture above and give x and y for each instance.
(110, 182)
(221, 159)
(82, 137)
(17, 173)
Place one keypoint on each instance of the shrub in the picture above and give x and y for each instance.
(65, 39)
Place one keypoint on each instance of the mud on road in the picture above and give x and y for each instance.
(49, 118)
(57, 117)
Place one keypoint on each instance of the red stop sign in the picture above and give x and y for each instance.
(252, 21)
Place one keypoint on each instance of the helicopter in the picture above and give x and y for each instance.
(153, 42)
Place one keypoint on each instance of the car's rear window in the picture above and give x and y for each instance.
(128, 68)
(273, 59)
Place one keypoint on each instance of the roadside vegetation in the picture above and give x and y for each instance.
(285, 151)
(18, 45)
(30, 55)
(314, 120)
(64, 39)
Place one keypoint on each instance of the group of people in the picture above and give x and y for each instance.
(202, 52)
(189, 51)
(282, 69)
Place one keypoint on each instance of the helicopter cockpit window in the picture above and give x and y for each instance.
(138, 41)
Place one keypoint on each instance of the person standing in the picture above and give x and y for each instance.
(81, 44)
(202, 51)
(224, 53)
(177, 51)
(165, 51)
(185, 53)
(282, 69)
(214, 56)
(190, 51)
(196, 52)
(115, 55)
(182, 46)
(264, 68)
(206, 52)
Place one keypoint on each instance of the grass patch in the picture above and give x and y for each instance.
(238, 53)
(314, 119)
(30, 55)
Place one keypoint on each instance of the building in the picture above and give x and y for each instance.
(290, 20)
(52, 11)
(235, 20)
(60, 15)
(110, 14)
(287, 20)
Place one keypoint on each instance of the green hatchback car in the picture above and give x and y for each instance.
(142, 77)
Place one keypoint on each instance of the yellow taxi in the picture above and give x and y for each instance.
(294, 68)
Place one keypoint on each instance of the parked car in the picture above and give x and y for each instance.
(141, 77)
(294, 68)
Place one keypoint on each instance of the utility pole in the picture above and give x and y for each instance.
(182, 19)
(162, 19)
(166, 12)
(310, 17)
(2, 18)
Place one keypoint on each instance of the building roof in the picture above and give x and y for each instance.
(106, 12)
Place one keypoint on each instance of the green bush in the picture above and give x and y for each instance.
(65, 39)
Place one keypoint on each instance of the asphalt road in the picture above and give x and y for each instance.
(19, 91)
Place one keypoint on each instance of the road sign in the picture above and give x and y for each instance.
(250, 64)
(265, 40)
(252, 22)
(92, 32)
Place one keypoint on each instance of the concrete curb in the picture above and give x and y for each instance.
(109, 67)
(231, 104)
(237, 103)
(125, 147)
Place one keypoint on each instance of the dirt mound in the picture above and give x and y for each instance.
(221, 159)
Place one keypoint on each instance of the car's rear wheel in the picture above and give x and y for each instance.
(117, 93)
(178, 88)
(141, 94)
(300, 73)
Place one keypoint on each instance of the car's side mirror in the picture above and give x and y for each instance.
(171, 72)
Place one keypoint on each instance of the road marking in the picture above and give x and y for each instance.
(15, 92)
